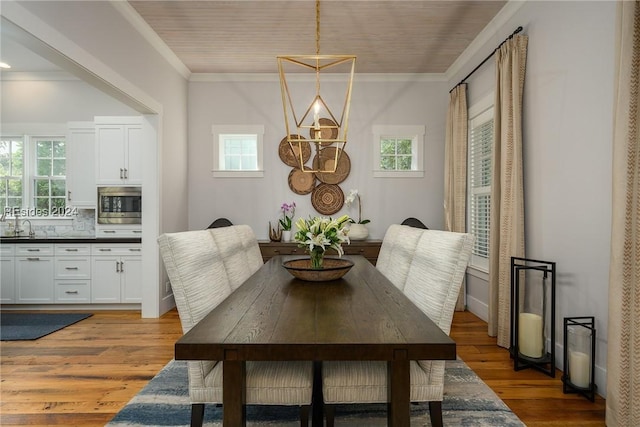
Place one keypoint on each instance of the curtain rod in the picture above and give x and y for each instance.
(517, 30)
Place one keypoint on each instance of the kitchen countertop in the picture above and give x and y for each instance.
(76, 239)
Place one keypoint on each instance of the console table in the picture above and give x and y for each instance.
(367, 248)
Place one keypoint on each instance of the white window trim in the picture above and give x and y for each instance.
(217, 130)
(413, 132)
(29, 140)
(476, 263)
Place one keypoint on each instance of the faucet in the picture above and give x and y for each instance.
(16, 226)
(32, 234)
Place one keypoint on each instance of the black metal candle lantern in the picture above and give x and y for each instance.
(579, 356)
(533, 301)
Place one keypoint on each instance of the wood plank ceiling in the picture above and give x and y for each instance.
(245, 36)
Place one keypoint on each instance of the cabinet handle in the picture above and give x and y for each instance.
(137, 231)
(121, 266)
(71, 292)
(110, 231)
(33, 259)
(117, 266)
(71, 250)
(33, 250)
(105, 250)
(134, 249)
(69, 195)
(126, 173)
(121, 173)
(71, 268)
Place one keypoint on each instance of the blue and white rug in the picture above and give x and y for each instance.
(468, 401)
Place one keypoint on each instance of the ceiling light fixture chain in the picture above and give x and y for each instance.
(317, 27)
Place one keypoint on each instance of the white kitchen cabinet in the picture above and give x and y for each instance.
(81, 175)
(111, 231)
(116, 273)
(118, 158)
(72, 283)
(7, 274)
(34, 270)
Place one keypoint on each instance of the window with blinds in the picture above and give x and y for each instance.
(479, 194)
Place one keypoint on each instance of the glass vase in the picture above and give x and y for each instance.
(317, 258)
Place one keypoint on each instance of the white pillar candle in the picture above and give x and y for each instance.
(530, 335)
(579, 368)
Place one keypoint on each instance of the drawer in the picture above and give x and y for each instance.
(116, 249)
(282, 249)
(73, 291)
(7, 250)
(73, 267)
(34, 250)
(119, 232)
(63, 249)
(366, 251)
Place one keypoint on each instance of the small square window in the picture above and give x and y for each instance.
(237, 151)
(398, 151)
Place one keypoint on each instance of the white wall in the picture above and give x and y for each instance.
(568, 105)
(56, 101)
(96, 35)
(256, 201)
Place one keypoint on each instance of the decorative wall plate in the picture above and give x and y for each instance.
(301, 182)
(290, 157)
(329, 129)
(327, 199)
(327, 157)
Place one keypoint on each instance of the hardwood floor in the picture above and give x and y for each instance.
(84, 374)
(535, 397)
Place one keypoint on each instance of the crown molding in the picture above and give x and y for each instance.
(134, 18)
(488, 33)
(309, 77)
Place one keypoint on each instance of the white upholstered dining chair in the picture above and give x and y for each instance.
(204, 267)
(428, 266)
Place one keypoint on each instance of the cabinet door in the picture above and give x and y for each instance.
(81, 173)
(110, 149)
(131, 279)
(7, 280)
(105, 279)
(133, 154)
(34, 277)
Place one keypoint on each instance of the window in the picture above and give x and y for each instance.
(398, 151)
(49, 183)
(237, 151)
(33, 174)
(11, 170)
(479, 176)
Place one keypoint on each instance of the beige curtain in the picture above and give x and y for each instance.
(507, 189)
(455, 168)
(623, 349)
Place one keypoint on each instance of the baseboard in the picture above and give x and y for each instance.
(477, 307)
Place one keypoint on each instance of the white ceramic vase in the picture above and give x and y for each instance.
(358, 232)
(286, 235)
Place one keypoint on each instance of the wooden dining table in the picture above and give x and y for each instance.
(274, 316)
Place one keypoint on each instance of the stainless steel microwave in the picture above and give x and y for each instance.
(119, 205)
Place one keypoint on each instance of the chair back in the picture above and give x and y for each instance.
(239, 251)
(436, 273)
(196, 271)
(396, 253)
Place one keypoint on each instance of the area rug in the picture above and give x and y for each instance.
(468, 401)
(31, 326)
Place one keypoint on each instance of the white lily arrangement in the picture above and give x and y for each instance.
(319, 234)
